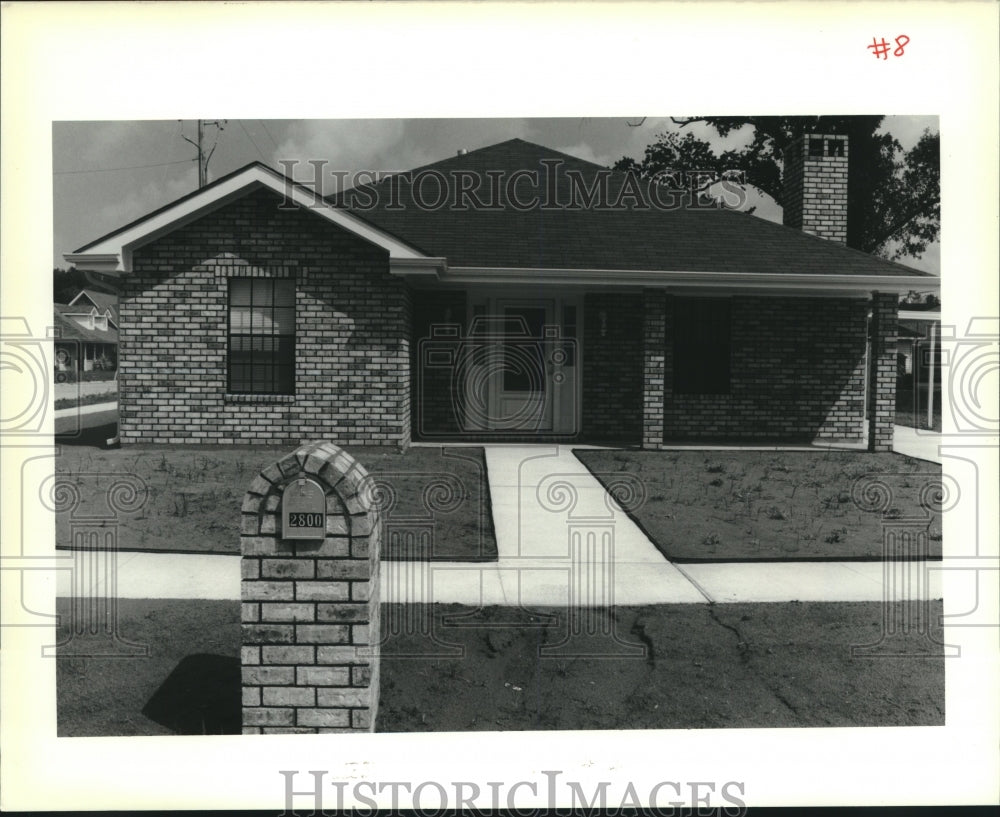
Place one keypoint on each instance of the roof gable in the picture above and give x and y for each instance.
(114, 250)
(102, 300)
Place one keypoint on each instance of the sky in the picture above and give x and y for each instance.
(106, 174)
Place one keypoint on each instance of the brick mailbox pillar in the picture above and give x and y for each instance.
(310, 537)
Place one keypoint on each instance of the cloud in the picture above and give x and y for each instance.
(142, 200)
(344, 145)
(907, 130)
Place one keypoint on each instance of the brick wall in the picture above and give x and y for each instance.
(882, 371)
(797, 372)
(815, 186)
(434, 398)
(310, 609)
(655, 363)
(611, 354)
(352, 333)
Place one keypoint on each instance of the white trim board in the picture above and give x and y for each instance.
(113, 253)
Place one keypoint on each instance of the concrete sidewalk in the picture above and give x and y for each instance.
(75, 419)
(561, 541)
(86, 388)
(195, 576)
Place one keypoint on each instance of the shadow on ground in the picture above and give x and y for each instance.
(200, 697)
(454, 668)
(96, 437)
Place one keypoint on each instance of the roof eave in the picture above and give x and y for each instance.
(97, 262)
(423, 268)
(804, 283)
(113, 253)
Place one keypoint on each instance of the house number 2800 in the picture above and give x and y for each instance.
(305, 520)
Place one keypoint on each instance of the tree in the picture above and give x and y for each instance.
(893, 196)
(66, 284)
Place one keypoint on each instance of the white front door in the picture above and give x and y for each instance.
(526, 370)
(522, 390)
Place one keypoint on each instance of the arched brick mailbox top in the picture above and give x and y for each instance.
(350, 506)
(310, 606)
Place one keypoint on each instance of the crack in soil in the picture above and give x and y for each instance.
(639, 631)
(742, 644)
(744, 648)
(785, 701)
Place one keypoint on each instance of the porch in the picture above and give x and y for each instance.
(650, 367)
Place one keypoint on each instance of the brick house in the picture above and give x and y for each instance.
(508, 293)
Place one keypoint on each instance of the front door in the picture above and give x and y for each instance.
(522, 385)
(526, 364)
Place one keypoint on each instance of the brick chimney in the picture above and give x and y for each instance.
(815, 186)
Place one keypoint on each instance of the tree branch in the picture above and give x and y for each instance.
(687, 120)
(918, 209)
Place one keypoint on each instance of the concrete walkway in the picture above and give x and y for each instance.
(85, 389)
(75, 419)
(561, 541)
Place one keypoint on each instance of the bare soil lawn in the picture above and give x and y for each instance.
(194, 495)
(690, 666)
(707, 506)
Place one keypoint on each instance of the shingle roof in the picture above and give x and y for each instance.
(69, 329)
(102, 300)
(683, 239)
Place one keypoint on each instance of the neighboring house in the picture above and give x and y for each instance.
(907, 340)
(97, 303)
(474, 300)
(919, 338)
(87, 333)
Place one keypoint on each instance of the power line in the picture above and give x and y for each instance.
(112, 169)
(267, 130)
(252, 142)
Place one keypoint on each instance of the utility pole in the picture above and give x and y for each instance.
(202, 159)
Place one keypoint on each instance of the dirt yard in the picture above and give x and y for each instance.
(194, 494)
(704, 506)
(453, 668)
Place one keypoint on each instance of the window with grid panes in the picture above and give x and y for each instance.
(261, 336)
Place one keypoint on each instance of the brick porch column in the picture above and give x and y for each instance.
(882, 371)
(653, 367)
